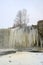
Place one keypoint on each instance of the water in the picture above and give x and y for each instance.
(22, 58)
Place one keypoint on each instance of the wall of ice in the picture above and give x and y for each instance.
(18, 37)
(23, 37)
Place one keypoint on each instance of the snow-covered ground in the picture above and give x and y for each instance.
(22, 58)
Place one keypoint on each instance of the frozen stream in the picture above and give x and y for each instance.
(22, 58)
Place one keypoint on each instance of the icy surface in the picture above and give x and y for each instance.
(22, 58)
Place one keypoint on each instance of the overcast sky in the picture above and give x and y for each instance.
(9, 9)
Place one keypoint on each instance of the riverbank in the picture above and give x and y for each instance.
(10, 51)
(7, 51)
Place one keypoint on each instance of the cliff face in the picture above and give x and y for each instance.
(40, 28)
(4, 38)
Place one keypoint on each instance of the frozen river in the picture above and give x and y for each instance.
(22, 58)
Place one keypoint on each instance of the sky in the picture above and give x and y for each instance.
(9, 9)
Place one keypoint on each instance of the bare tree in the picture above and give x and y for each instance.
(21, 18)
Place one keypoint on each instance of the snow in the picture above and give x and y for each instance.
(22, 58)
